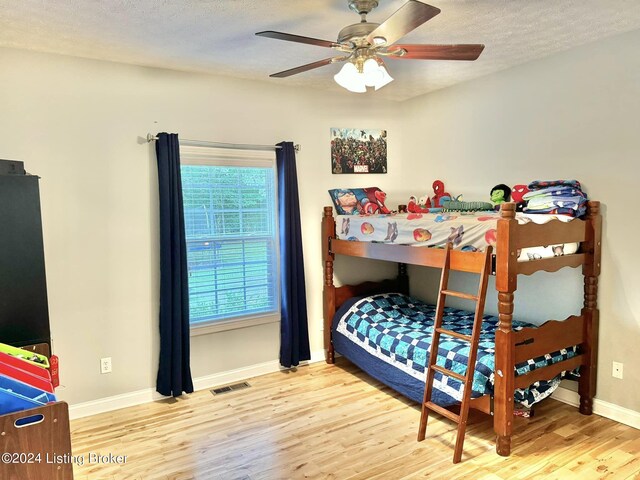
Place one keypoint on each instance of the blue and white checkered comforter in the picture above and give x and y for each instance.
(398, 329)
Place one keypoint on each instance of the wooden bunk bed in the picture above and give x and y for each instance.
(511, 347)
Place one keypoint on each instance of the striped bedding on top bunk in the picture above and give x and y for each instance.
(397, 330)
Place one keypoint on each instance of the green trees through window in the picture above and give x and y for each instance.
(231, 241)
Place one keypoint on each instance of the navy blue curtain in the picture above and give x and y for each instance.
(294, 330)
(174, 371)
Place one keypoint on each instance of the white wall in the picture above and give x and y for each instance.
(573, 115)
(77, 124)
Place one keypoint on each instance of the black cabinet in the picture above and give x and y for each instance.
(24, 314)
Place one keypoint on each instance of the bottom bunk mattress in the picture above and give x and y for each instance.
(389, 337)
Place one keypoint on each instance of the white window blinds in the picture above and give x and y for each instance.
(230, 225)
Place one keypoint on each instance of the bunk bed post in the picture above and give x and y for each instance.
(590, 313)
(403, 279)
(329, 290)
(506, 284)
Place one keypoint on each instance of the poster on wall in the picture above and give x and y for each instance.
(358, 151)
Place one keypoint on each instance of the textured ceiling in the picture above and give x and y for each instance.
(217, 36)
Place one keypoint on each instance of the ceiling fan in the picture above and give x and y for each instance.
(363, 45)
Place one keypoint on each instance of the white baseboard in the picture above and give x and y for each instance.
(600, 407)
(115, 402)
(147, 395)
(237, 375)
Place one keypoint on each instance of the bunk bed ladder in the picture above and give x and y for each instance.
(473, 339)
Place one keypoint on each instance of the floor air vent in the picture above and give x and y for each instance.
(230, 388)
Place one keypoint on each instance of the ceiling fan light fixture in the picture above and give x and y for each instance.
(376, 74)
(385, 79)
(373, 74)
(379, 41)
(348, 77)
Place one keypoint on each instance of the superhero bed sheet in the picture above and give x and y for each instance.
(389, 337)
(466, 231)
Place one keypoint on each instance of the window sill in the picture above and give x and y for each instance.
(233, 324)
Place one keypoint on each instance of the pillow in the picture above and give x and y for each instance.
(359, 201)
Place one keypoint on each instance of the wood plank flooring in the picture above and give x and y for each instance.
(334, 422)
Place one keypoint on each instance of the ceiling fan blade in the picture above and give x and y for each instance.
(411, 15)
(308, 66)
(297, 38)
(438, 52)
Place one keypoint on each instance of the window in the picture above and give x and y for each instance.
(232, 246)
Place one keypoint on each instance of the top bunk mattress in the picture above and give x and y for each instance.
(465, 231)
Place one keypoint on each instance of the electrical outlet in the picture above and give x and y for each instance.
(105, 365)
(617, 370)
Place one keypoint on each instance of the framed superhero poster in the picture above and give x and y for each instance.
(358, 151)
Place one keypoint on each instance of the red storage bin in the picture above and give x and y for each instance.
(36, 379)
(24, 365)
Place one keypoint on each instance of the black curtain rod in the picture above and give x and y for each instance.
(234, 146)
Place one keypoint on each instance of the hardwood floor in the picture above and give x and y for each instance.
(334, 422)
